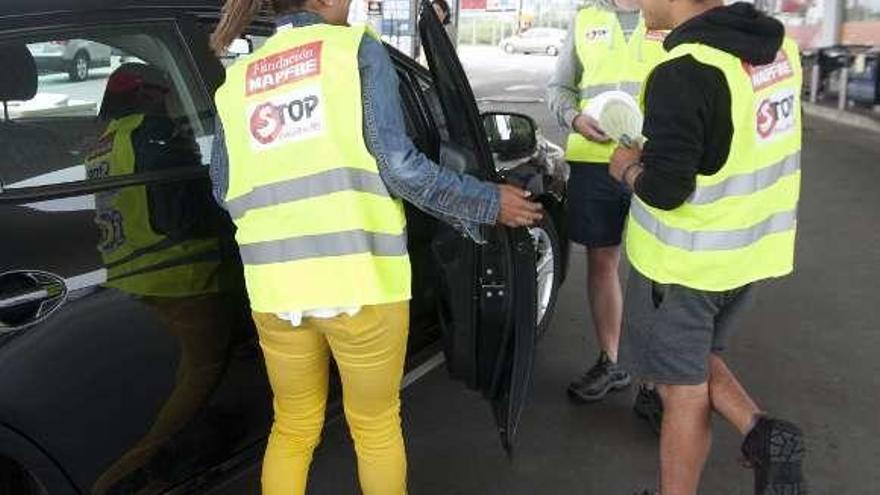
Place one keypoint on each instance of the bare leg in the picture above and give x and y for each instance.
(686, 437)
(606, 297)
(729, 398)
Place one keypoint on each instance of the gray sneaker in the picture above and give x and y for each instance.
(605, 376)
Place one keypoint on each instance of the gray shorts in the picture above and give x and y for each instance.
(670, 331)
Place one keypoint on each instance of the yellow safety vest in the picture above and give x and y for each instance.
(316, 225)
(739, 224)
(138, 259)
(609, 62)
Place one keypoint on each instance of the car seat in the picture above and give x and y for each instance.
(28, 149)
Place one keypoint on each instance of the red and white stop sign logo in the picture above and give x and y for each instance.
(776, 114)
(266, 123)
(766, 119)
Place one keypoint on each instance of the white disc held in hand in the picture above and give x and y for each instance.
(618, 116)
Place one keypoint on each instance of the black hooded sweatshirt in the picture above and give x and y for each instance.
(687, 103)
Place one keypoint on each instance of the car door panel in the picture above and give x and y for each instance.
(139, 382)
(130, 387)
(487, 307)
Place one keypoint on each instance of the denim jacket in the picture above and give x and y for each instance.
(460, 200)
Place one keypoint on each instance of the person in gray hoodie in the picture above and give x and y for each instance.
(608, 48)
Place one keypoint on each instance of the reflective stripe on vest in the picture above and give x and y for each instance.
(712, 240)
(138, 259)
(330, 181)
(739, 224)
(594, 90)
(322, 246)
(744, 184)
(316, 226)
(609, 62)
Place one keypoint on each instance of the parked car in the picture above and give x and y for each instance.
(76, 57)
(128, 358)
(535, 40)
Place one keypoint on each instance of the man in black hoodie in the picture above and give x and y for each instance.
(716, 188)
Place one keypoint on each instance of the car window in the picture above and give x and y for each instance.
(61, 109)
(420, 123)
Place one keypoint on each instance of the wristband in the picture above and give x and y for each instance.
(626, 171)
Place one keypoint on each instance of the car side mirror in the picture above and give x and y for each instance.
(511, 135)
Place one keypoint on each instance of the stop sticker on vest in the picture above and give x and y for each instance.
(283, 68)
(286, 118)
(775, 115)
(764, 76)
(596, 35)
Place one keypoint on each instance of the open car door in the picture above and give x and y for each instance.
(488, 299)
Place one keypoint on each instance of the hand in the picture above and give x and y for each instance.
(516, 209)
(621, 159)
(588, 127)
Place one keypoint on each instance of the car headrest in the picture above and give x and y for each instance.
(18, 79)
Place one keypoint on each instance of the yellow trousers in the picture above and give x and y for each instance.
(369, 349)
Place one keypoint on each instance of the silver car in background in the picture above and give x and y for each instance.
(75, 57)
(535, 40)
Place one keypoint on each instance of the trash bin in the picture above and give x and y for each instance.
(863, 87)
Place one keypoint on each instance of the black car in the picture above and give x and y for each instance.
(128, 359)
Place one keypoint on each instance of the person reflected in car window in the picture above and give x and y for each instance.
(442, 10)
(444, 13)
(312, 161)
(156, 245)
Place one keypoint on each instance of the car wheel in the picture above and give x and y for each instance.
(548, 271)
(15, 479)
(508, 48)
(552, 51)
(79, 67)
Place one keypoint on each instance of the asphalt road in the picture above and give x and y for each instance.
(808, 351)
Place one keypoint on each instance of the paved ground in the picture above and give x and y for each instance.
(808, 351)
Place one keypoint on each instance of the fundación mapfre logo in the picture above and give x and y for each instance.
(290, 116)
(283, 68)
(655, 35)
(764, 76)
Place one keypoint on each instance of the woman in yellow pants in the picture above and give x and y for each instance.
(369, 349)
(312, 160)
